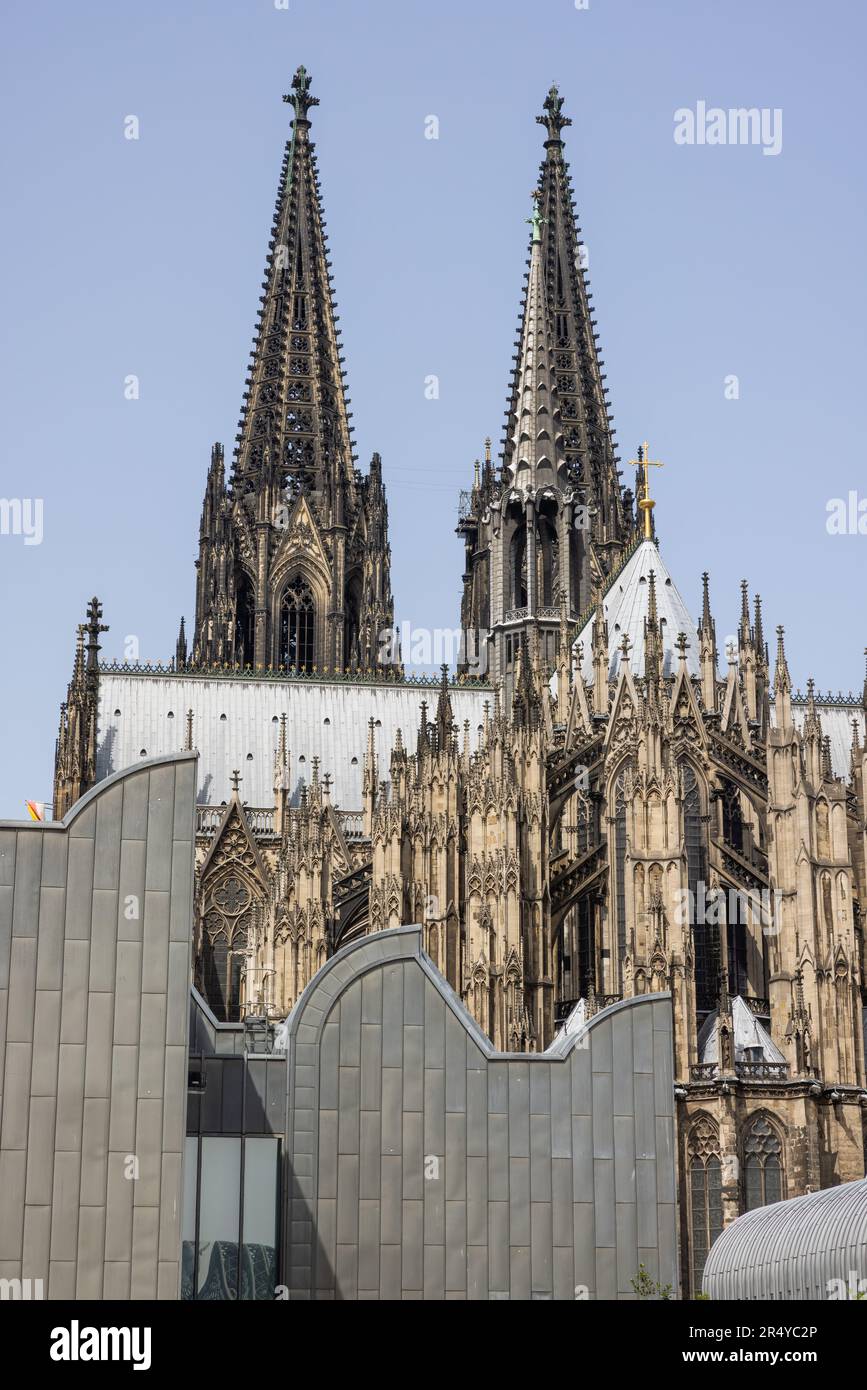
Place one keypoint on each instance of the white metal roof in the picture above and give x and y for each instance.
(236, 725)
(748, 1032)
(836, 725)
(626, 603)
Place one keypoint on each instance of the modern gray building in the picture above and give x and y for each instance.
(387, 1152)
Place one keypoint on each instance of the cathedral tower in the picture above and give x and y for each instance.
(294, 561)
(553, 518)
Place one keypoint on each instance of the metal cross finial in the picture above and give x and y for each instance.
(236, 779)
(645, 502)
(553, 119)
(300, 97)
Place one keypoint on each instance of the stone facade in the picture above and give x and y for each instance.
(617, 809)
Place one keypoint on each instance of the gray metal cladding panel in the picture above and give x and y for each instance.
(93, 1051)
(420, 1163)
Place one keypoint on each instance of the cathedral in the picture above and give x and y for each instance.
(598, 804)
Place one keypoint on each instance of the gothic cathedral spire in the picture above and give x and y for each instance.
(555, 520)
(294, 562)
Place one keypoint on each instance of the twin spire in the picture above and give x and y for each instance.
(558, 337)
(295, 421)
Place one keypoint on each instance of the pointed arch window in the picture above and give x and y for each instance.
(706, 935)
(585, 966)
(763, 1164)
(352, 624)
(227, 924)
(518, 567)
(733, 825)
(704, 1169)
(620, 862)
(736, 931)
(547, 561)
(297, 625)
(245, 629)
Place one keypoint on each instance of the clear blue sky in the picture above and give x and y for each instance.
(146, 256)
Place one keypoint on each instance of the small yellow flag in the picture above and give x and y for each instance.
(36, 809)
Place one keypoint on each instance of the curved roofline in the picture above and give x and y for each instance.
(792, 1249)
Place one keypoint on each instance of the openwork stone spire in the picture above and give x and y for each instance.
(75, 751)
(295, 421)
(554, 516)
(536, 444)
(588, 439)
(294, 562)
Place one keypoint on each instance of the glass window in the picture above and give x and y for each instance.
(620, 864)
(230, 1182)
(705, 1195)
(188, 1217)
(219, 1213)
(259, 1241)
(705, 934)
(763, 1167)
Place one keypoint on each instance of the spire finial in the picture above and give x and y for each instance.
(94, 629)
(782, 678)
(553, 120)
(827, 766)
(236, 780)
(645, 501)
(299, 97)
(536, 219)
(682, 643)
(706, 619)
(652, 615)
(759, 628)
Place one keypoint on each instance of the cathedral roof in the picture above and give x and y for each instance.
(236, 724)
(748, 1033)
(625, 602)
(836, 721)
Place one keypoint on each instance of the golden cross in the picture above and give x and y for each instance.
(645, 501)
